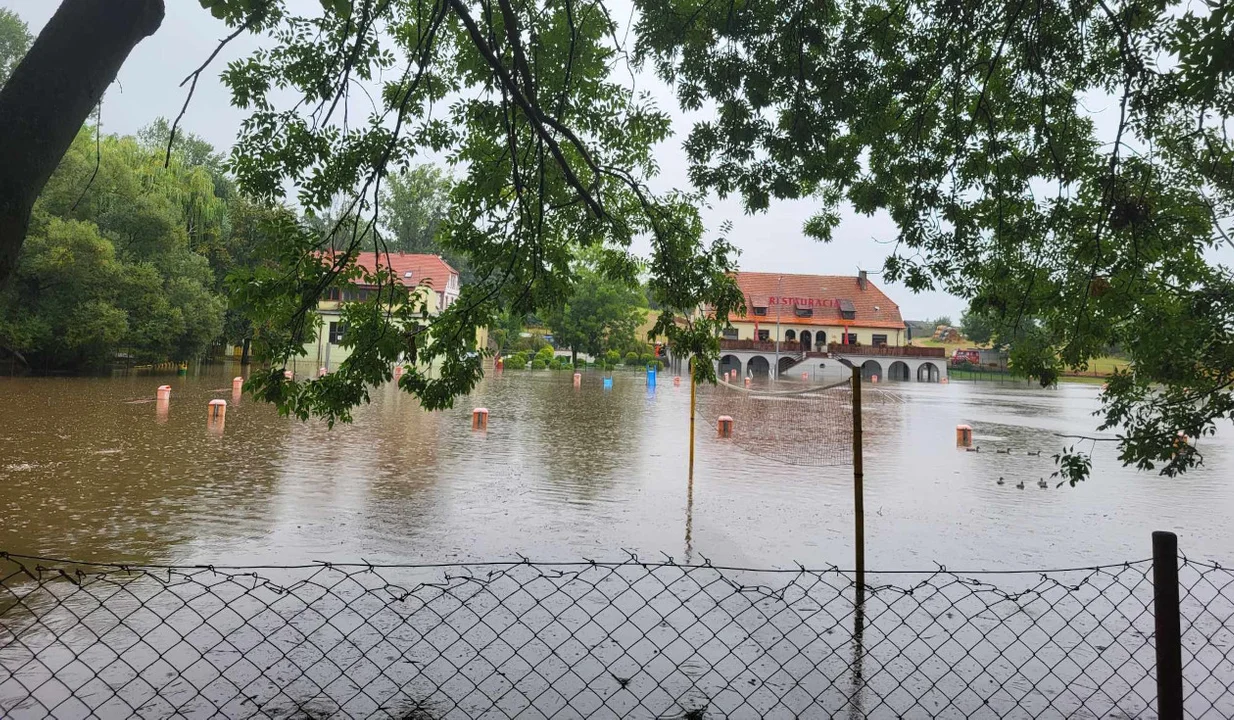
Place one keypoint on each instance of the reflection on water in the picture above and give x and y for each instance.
(92, 468)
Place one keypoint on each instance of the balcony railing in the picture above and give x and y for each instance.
(887, 350)
(790, 346)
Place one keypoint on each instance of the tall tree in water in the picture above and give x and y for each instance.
(602, 312)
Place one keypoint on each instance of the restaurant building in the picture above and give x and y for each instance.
(813, 311)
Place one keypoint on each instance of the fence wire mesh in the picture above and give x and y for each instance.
(624, 639)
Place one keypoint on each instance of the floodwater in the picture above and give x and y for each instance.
(91, 470)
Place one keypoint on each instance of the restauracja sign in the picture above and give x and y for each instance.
(804, 302)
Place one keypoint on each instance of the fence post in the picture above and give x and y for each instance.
(858, 489)
(1168, 626)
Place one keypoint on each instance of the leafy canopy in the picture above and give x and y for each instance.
(550, 152)
(964, 122)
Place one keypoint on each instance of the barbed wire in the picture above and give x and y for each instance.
(623, 638)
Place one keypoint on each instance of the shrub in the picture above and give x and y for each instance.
(538, 364)
(545, 353)
(612, 357)
(631, 358)
(646, 359)
(560, 363)
(659, 365)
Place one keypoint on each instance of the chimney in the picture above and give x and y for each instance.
(862, 279)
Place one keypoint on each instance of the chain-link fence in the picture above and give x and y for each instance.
(621, 639)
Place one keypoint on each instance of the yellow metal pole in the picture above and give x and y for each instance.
(692, 399)
(858, 489)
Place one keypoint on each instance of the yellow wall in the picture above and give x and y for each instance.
(865, 336)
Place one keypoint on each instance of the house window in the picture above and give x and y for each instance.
(331, 294)
(848, 311)
(879, 339)
(804, 312)
(850, 339)
(336, 332)
(760, 311)
(790, 335)
(730, 333)
(764, 335)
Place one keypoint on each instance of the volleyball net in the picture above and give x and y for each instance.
(811, 427)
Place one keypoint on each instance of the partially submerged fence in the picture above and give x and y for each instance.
(607, 640)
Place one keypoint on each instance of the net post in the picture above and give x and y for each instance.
(858, 489)
(1168, 633)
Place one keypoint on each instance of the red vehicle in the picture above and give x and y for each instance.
(960, 357)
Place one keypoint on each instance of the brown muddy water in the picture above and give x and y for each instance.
(90, 470)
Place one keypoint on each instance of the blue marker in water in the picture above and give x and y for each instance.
(608, 383)
(651, 376)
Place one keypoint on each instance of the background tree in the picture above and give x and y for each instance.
(602, 314)
(14, 42)
(505, 331)
(110, 266)
(977, 326)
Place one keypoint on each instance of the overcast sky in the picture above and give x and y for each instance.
(148, 87)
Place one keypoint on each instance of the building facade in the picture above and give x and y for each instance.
(811, 312)
(427, 278)
(817, 327)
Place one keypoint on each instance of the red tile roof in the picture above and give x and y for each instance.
(823, 293)
(425, 269)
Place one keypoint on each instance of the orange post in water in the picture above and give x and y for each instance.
(578, 379)
(963, 436)
(479, 419)
(724, 427)
(163, 394)
(216, 415)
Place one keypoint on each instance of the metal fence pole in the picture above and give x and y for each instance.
(1168, 626)
(858, 489)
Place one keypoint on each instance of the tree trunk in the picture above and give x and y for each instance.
(52, 92)
(244, 352)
